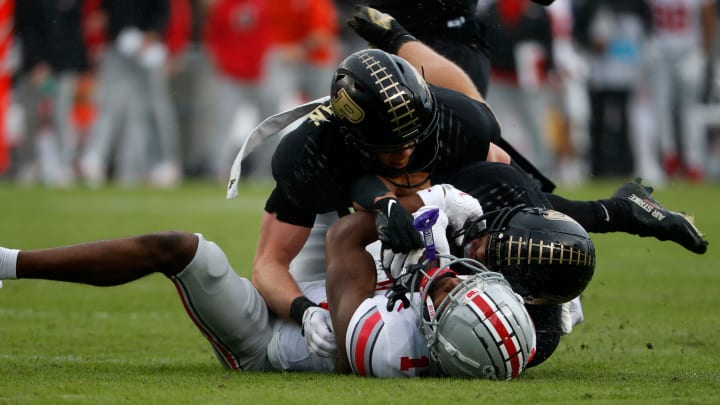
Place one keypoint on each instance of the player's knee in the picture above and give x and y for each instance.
(169, 252)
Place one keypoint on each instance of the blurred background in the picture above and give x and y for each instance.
(157, 92)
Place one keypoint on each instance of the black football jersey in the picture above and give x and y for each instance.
(314, 169)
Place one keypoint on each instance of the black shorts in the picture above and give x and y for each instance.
(497, 185)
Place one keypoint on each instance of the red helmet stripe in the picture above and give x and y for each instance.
(506, 341)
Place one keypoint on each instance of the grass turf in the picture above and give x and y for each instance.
(651, 334)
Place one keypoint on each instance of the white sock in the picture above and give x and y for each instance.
(8, 263)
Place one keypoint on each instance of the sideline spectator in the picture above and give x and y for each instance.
(682, 69)
(520, 35)
(133, 96)
(53, 56)
(613, 35)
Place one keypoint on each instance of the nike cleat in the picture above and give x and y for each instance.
(652, 219)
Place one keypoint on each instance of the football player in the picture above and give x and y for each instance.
(546, 256)
(384, 118)
(245, 335)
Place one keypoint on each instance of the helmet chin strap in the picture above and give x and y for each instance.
(408, 182)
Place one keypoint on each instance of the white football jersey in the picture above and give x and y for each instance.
(382, 343)
(676, 24)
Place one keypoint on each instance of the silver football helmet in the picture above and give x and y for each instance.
(481, 328)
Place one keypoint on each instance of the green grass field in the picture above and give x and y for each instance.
(652, 330)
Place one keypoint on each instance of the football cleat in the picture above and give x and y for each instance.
(652, 219)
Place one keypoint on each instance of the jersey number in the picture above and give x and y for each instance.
(406, 363)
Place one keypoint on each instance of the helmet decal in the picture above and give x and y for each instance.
(520, 251)
(556, 216)
(499, 328)
(346, 108)
(395, 97)
(383, 105)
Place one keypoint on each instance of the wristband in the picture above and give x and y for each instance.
(298, 307)
(8, 263)
(395, 45)
(366, 189)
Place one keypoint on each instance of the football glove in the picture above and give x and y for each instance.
(398, 265)
(458, 205)
(395, 226)
(379, 29)
(318, 332)
(398, 292)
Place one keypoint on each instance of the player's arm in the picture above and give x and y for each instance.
(351, 274)
(438, 70)
(383, 31)
(278, 245)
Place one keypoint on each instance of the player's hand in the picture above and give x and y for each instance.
(381, 30)
(395, 226)
(398, 292)
(318, 332)
(457, 204)
(399, 265)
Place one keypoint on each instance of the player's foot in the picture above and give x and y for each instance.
(652, 219)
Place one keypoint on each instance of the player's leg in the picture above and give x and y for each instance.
(105, 263)
(226, 308)
(351, 273)
(632, 209)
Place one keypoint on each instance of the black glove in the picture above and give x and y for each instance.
(379, 29)
(397, 292)
(395, 226)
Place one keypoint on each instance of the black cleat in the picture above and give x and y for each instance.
(652, 219)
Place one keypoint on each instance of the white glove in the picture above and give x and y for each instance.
(318, 331)
(397, 263)
(458, 205)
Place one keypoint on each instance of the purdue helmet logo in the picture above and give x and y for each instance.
(345, 108)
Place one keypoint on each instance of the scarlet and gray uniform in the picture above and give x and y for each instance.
(235, 319)
(677, 76)
(382, 343)
(245, 335)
